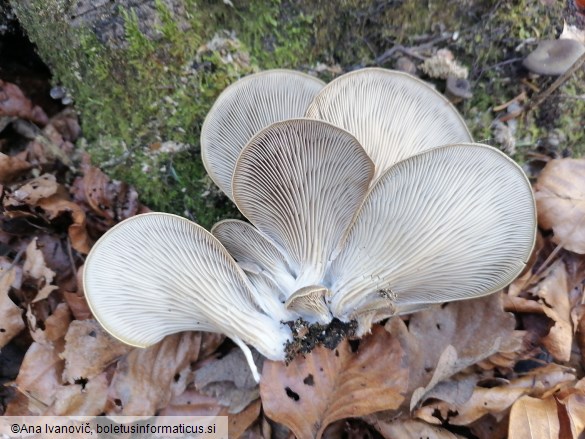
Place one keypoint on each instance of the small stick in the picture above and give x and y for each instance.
(520, 98)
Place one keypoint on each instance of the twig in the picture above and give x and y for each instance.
(520, 98)
(539, 99)
(13, 263)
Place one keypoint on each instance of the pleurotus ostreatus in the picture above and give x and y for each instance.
(375, 204)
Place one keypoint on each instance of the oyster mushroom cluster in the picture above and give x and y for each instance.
(366, 198)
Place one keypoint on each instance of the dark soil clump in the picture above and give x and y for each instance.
(307, 336)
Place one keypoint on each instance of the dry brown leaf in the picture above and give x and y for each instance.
(106, 201)
(55, 326)
(411, 428)
(56, 206)
(494, 400)
(488, 427)
(193, 403)
(572, 400)
(36, 268)
(579, 316)
(76, 299)
(87, 399)
(553, 293)
(14, 103)
(40, 375)
(238, 423)
(89, 350)
(449, 342)
(78, 305)
(45, 193)
(147, 379)
(11, 168)
(11, 321)
(327, 385)
(560, 201)
(36, 189)
(532, 418)
(229, 380)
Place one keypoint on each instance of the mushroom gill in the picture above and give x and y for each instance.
(243, 109)
(393, 114)
(460, 224)
(158, 274)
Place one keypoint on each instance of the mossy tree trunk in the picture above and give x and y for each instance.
(143, 73)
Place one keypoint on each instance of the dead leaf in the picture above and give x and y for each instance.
(87, 399)
(14, 103)
(45, 193)
(572, 402)
(34, 190)
(534, 418)
(327, 385)
(35, 267)
(579, 314)
(193, 403)
(11, 321)
(89, 349)
(55, 326)
(11, 168)
(106, 201)
(411, 428)
(240, 422)
(560, 201)
(55, 207)
(449, 339)
(40, 375)
(553, 293)
(146, 380)
(494, 400)
(229, 380)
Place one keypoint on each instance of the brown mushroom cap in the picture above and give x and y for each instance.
(553, 57)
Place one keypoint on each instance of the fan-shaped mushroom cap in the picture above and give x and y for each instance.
(243, 109)
(265, 265)
(553, 57)
(252, 251)
(157, 274)
(300, 183)
(452, 223)
(309, 302)
(392, 114)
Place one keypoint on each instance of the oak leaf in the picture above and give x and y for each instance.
(327, 385)
(11, 322)
(560, 202)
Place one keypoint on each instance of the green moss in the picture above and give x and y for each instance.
(133, 98)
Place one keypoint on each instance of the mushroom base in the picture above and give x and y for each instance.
(307, 336)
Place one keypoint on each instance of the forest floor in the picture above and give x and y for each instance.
(509, 365)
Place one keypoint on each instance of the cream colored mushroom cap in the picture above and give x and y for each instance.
(300, 183)
(157, 274)
(455, 222)
(244, 108)
(392, 114)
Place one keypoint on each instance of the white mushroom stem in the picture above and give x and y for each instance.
(157, 274)
(249, 358)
